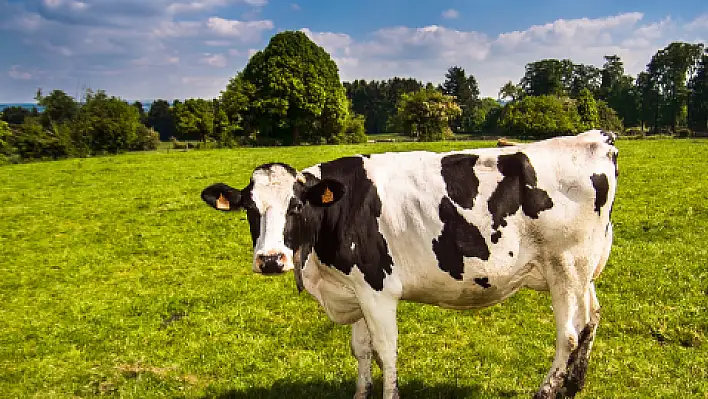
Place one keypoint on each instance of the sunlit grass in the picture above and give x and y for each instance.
(115, 279)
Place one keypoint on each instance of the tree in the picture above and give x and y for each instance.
(608, 118)
(160, 118)
(5, 147)
(141, 110)
(669, 68)
(584, 77)
(463, 89)
(587, 110)
(620, 91)
(698, 100)
(194, 119)
(31, 140)
(58, 107)
(377, 100)
(426, 114)
(549, 76)
(16, 115)
(292, 92)
(541, 116)
(611, 74)
(648, 95)
(510, 91)
(482, 117)
(106, 124)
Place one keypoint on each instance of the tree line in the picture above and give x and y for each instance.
(291, 93)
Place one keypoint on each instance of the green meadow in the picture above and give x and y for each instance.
(116, 280)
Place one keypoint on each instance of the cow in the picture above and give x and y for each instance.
(463, 229)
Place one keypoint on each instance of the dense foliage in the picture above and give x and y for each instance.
(426, 114)
(376, 100)
(290, 93)
(541, 116)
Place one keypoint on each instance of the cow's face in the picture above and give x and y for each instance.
(279, 202)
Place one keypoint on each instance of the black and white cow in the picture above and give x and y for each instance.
(463, 229)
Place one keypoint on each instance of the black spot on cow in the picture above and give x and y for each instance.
(482, 282)
(609, 137)
(614, 162)
(496, 236)
(366, 155)
(602, 188)
(458, 239)
(460, 181)
(511, 253)
(517, 189)
(352, 220)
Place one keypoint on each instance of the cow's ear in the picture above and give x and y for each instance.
(222, 197)
(325, 193)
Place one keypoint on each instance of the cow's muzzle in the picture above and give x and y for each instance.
(272, 263)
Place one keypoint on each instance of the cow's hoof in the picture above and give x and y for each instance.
(552, 389)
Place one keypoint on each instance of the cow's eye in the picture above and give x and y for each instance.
(295, 207)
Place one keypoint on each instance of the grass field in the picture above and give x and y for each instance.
(115, 279)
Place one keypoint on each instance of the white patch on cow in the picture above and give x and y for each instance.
(353, 246)
(314, 171)
(272, 190)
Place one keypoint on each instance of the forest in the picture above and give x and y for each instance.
(290, 93)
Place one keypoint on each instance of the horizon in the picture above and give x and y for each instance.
(190, 49)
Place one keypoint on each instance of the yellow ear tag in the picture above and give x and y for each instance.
(327, 196)
(222, 203)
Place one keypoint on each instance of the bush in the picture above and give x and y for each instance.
(540, 117)
(31, 141)
(5, 148)
(353, 131)
(609, 120)
(425, 115)
(146, 139)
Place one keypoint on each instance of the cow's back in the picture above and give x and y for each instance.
(468, 228)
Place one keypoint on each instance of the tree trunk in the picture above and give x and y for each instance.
(296, 135)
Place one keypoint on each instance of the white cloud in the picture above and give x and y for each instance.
(188, 48)
(215, 60)
(16, 73)
(295, 7)
(425, 53)
(450, 14)
(206, 5)
(232, 28)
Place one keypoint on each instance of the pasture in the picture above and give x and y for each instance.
(116, 280)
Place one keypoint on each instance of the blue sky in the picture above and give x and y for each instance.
(144, 49)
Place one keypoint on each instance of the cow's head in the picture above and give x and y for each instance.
(280, 202)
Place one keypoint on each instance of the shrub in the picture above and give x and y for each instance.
(541, 116)
(31, 141)
(146, 139)
(353, 131)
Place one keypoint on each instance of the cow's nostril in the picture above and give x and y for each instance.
(271, 263)
(270, 258)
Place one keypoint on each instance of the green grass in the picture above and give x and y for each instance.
(115, 279)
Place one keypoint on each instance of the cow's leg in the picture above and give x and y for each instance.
(380, 314)
(363, 352)
(586, 322)
(576, 312)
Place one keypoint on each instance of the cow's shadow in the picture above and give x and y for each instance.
(334, 390)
